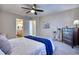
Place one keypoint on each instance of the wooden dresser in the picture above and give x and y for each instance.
(70, 36)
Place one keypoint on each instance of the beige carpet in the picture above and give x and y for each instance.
(64, 49)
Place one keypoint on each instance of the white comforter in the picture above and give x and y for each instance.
(25, 46)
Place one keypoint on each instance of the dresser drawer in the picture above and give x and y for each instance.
(68, 42)
(68, 33)
(68, 29)
(68, 38)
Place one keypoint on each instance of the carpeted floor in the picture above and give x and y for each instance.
(64, 49)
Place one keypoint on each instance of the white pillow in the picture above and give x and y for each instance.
(5, 45)
(1, 52)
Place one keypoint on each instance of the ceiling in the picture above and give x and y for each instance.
(48, 8)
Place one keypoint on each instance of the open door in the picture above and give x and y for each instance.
(32, 27)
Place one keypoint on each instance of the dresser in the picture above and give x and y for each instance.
(70, 36)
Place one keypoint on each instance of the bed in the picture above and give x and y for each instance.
(24, 46)
(27, 46)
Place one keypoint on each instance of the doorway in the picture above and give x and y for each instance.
(19, 27)
(32, 27)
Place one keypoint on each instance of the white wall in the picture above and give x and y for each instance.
(26, 26)
(8, 23)
(57, 20)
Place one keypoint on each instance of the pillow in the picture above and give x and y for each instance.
(1, 52)
(5, 45)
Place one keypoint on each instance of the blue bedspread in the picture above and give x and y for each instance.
(48, 44)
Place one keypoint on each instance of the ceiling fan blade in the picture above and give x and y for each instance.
(29, 5)
(39, 10)
(27, 11)
(35, 13)
(26, 8)
(34, 5)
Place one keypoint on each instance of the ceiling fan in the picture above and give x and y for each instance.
(33, 9)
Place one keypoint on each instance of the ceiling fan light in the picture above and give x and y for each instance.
(32, 11)
(33, 7)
